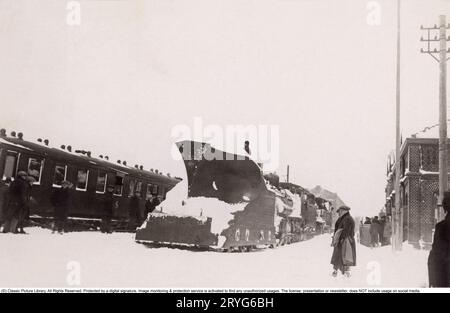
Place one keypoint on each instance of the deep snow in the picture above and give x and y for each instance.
(41, 259)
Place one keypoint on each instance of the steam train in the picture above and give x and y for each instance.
(90, 176)
(252, 209)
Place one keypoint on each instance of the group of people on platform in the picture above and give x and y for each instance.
(380, 230)
(15, 201)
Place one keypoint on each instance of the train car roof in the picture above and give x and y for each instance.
(286, 185)
(56, 153)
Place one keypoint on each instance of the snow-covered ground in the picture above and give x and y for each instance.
(41, 259)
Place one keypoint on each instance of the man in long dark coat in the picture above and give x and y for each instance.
(4, 199)
(344, 252)
(107, 208)
(17, 200)
(134, 211)
(60, 201)
(439, 258)
(374, 232)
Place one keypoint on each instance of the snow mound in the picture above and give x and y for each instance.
(177, 204)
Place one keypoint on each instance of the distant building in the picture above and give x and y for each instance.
(419, 188)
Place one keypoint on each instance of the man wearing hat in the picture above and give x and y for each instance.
(17, 200)
(108, 210)
(25, 210)
(61, 202)
(344, 252)
(439, 258)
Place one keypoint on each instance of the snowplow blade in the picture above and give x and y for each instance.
(217, 174)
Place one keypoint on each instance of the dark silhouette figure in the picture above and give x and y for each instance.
(438, 260)
(344, 252)
(18, 198)
(134, 211)
(60, 200)
(107, 206)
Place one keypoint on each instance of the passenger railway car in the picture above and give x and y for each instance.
(89, 175)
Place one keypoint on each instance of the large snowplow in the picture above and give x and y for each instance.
(229, 204)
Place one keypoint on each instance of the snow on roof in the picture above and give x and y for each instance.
(332, 197)
(421, 171)
(297, 204)
(41, 148)
(14, 144)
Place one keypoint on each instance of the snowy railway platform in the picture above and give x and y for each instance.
(42, 259)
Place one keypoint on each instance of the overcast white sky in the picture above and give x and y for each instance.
(132, 70)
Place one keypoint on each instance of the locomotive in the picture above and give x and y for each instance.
(90, 175)
(232, 206)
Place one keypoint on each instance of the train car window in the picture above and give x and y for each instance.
(155, 189)
(82, 180)
(60, 175)
(131, 190)
(149, 191)
(138, 186)
(35, 169)
(101, 182)
(10, 167)
(118, 185)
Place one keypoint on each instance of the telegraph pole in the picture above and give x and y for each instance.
(442, 60)
(287, 174)
(396, 214)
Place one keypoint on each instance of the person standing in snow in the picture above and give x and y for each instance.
(25, 211)
(4, 197)
(134, 211)
(17, 200)
(60, 201)
(439, 257)
(374, 232)
(381, 230)
(107, 207)
(387, 231)
(344, 252)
